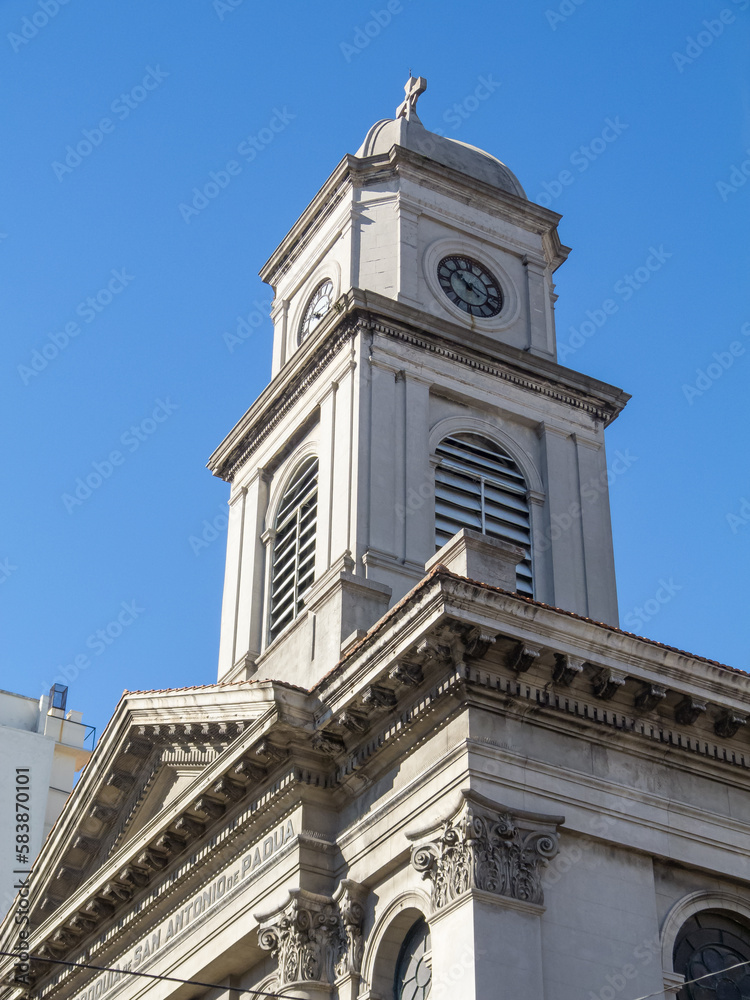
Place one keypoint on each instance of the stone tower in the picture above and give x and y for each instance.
(415, 377)
(425, 771)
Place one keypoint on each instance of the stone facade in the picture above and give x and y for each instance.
(423, 749)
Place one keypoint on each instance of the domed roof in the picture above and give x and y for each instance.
(467, 159)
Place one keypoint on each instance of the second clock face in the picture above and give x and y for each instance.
(320, 302)
(470, 286)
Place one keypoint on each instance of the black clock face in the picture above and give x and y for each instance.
(470, 286)
(320, 302)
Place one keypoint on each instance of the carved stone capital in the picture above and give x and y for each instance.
(486, 847)
(314, 938)
(350, 897)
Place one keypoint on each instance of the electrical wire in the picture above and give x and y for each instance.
(285, 996)
(151, 975)
(689, 982)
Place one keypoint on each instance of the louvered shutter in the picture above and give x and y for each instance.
(293, 560)
(478, 486)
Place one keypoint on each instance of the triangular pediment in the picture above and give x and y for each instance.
(156, 752)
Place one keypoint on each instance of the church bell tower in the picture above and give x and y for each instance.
(415, 395)
(431, 774)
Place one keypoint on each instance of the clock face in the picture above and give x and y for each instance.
(470, 286)
(320, 302)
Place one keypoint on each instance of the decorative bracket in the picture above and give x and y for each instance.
(688, 710)
(728, 723)
(649, 697)
(607, 683)
(524, 655)
(566, 669)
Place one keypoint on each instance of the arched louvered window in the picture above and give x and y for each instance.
(293, 559)
(479, 486)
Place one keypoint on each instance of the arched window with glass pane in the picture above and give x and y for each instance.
(479, 486)
(414, 966)
(714, 949)
(293, 558)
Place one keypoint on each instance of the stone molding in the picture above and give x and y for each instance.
(487, 847)
(314, 938)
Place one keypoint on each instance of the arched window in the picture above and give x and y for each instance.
(414, 965)
(708, 945)
(479, 486)
(293, 560)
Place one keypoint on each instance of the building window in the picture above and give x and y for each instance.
(708, 944)
(414, 966)
(479, 486)
(293, 560)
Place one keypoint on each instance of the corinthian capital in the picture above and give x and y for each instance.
(484, 846)
(315, 938)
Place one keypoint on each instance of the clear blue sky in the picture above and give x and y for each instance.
(183, 88)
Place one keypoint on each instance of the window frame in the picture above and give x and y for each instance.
(500, 483)
(285, 513)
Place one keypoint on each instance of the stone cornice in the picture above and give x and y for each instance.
(358, 311)
(449, 644)
(352, 172)
(278, 398)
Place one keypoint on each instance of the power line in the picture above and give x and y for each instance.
(285, 996)
(151, 975)
(689, 982)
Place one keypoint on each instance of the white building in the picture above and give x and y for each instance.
(432, 764)
(41, 750)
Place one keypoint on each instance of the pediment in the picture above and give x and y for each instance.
(155, 753)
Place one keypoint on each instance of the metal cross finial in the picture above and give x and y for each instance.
(415, 86)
